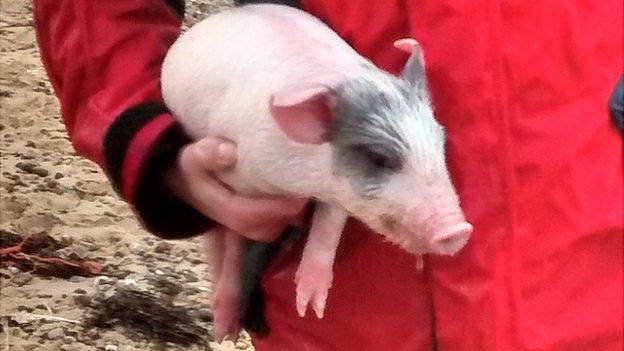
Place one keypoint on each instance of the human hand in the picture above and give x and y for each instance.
(192, 179)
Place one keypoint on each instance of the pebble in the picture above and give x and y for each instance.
(122, 273)
(68, 340)
(148, 256)
(194, 290)
(159, 272)
(191, 277)
(28, 328)
(26, 166)
(104, 287)
(33, 168)
(41, 307)
(126, 282)
(77, 279)
(82, 300)
(167, 287)
(30, 347)
(23, 308)
(196, 260)
(101, 280)
(163, 247)
(80, 291)
(58, 175)
(66, 240)
(205, 314)
(13, 270)
(110, 347)
(241, 345)
(55, 333)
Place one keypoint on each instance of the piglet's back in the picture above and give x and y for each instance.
(218, 77)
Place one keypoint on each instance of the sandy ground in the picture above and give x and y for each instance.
(46, 188)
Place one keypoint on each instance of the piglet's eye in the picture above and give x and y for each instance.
(381, 159)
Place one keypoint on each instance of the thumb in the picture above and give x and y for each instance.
(210, 154)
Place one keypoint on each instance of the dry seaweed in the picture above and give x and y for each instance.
(139, 312)
(37, 253)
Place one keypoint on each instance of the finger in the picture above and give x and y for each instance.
(259, 219)
(209, 154)
(267, 207)
(262, 219)
(235, 211)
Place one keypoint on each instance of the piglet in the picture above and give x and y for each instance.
(313, 119)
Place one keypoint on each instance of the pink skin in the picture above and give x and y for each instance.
(446, 229)
(313, 277)
(262, 219)
(226, 250)
(192, 180)
(315, 274)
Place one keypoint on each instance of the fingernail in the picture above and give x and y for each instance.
(227, 153)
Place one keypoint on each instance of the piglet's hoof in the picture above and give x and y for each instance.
(313, 281)
(225, 306)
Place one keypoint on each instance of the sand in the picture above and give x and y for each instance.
(46, 188)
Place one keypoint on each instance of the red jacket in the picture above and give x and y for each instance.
(522, 89)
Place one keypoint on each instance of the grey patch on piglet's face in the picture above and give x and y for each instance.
(367, 136)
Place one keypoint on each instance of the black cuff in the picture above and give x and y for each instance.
(120, 135)
(158, 209)
(161, 212)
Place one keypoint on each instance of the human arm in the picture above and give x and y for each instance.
(103, 59)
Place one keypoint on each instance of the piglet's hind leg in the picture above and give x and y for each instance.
(226, 299)
(315, 273)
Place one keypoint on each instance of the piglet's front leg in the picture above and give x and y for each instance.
(315, 273)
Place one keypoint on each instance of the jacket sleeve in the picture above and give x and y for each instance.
(103, 59)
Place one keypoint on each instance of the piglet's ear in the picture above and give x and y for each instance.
(303, 114)
(414, 70)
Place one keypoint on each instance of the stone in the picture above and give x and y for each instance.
(205, 314)
(163, 247)
(241, 345)
(82, 300)
(23, 308)
(55, 333)
(77, 279)
(69, 340)
(21, 279)
(42, 172)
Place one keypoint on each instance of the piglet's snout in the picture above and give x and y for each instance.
(451, 240)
